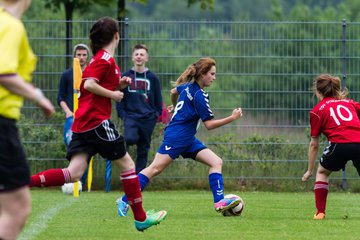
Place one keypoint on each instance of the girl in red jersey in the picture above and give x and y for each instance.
(93, 132)
(338, 119)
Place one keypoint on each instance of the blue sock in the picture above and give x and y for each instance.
(216, 183)
(144, 180)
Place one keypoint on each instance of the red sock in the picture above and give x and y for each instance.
(50, 177)
(321, 192)
(131, 186)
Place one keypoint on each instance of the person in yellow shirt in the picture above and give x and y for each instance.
(17, 62)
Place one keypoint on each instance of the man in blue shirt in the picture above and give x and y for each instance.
(141, 105)
(66, 89)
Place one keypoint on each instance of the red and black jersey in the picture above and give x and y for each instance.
(94, 109)
(338, 120)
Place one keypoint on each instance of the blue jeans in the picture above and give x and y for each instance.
(67, 130)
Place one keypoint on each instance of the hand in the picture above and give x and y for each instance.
(124, 82)
(117, 95)
(47, 107)
(307, 176)
(170, 109)
(237, 113)
(69, 114)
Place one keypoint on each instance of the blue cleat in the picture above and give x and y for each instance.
(226, 203)
(122, 207)
(152, 218)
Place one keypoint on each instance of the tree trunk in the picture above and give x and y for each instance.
(69, 8)
(122, 59)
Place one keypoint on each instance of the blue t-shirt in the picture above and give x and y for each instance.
(193, 104)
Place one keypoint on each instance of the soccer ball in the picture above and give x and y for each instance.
(68, 188)
(234, 211)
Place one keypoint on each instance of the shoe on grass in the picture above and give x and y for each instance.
(226, 203)
(319, 216)
(122, 207)
(152, 218)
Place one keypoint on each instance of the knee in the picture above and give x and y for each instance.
(319, 171)
(76, 178)
(217, 163)
(76, 175)
(323, 171)
(131, 138)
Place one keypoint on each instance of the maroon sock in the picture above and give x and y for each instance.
(50, 177)
(321, 190)
(131, 186)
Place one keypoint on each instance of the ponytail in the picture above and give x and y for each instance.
(329, 86)
(194, 71)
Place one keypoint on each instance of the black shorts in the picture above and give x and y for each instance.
(104, 139)
(14, 169)
(336, 155)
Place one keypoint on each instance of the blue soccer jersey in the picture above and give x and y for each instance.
(192, 105)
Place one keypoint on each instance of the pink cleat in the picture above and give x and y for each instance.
(226, 203)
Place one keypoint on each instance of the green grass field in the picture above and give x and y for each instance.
(267, 215)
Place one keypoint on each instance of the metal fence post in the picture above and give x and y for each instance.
(126, 32)
(343, 85)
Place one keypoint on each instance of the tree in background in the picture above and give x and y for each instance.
(84, 5)
(69, 7)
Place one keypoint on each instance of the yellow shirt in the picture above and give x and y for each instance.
(16, 57)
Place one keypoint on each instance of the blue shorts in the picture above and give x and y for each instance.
(186, 151)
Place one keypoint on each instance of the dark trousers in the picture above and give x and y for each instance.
(138, 132)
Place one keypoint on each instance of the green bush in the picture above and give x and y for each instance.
(43, 141)
(271, 163)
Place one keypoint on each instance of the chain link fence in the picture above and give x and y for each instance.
(266, 68)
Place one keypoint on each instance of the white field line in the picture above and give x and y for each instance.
(40, 223)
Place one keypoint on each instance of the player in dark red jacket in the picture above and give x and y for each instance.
(93, 131)
(338, 119)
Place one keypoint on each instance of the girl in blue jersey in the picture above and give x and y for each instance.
(190, 104)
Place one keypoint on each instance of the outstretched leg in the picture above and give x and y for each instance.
(59, 176)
